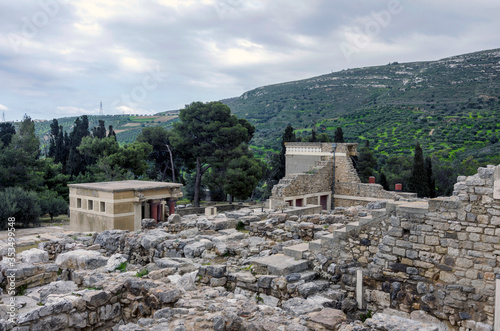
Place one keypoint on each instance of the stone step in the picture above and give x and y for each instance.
(315, 246)
(296, 251)
(351, 226)
(365, 220)
(279, 264)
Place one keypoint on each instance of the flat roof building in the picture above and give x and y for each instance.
(120, 205)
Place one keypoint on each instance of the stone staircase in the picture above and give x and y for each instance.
(327, 240)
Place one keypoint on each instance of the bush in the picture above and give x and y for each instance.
(20, 204)
(52, 204)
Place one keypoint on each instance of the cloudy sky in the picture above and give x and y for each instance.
(62, 57)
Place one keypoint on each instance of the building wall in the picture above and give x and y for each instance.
(442, 258)
(109, 210)
(315, 162)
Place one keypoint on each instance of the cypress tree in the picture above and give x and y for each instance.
(419, 181)
(366, 163)
(99, 131)
(76, 162)
(279, 166)
(430, 178)
(383, 181)
(339, 135)
(111, 132)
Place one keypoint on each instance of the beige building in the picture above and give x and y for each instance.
(120, 205)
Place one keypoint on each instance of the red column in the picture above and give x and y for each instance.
(399, 187)
(371, 180)
(171, 206)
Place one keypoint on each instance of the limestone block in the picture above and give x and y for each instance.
(34, 255)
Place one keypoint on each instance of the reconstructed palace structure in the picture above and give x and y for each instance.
(120, 205)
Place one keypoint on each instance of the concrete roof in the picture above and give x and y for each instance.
(125, 185)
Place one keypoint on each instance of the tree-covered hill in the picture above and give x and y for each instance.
(127, 127)
(451, 106)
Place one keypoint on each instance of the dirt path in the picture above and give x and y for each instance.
(432, 131)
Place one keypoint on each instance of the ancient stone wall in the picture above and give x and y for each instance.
(440, 257)
(365, 190)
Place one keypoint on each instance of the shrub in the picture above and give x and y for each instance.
(20, 204)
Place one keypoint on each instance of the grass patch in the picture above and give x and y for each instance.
(142, 273)
(122, 267)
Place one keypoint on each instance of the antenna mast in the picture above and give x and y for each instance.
(3, 116)
(100, 110)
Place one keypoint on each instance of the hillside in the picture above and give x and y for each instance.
(127, 127)
(448, 105)
(451, 106)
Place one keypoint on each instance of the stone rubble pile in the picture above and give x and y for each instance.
(196, 273)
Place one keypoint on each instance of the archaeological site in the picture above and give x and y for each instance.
(326, 252)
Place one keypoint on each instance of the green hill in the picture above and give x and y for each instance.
(127, 127)
(450, 106)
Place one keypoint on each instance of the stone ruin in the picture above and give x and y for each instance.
(405, 264)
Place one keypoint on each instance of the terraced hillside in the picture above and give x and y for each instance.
(450, 106)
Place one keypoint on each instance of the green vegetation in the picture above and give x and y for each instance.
(240, 226)
(122, 267)
(364, 316)
(142, 273)
(21, 290)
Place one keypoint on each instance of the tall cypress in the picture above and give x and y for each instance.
(279, 167)
(419, 181)
(76, 162)
(430, 178)
(339, 135)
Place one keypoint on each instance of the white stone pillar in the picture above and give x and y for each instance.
(359, 288)
(497, 305)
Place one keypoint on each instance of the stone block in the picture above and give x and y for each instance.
(432, 240)
(328, 317)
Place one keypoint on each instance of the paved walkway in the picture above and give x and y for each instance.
(42, 230)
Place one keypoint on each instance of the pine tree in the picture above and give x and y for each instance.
(419, 181)
(339, 135)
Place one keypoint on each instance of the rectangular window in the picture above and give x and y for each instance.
(103, 206)
(78, 203)
(91, 205)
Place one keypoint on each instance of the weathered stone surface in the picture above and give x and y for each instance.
(174, 219)
(114, 262)
(34, 255)
(395, 323)
(59, 287)
(168, 295)
(299, 306)
(152, 238)
(96, 298)
(308, 289)
(328, 317)
(149, 223)
(110, 239)
(81, 259)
